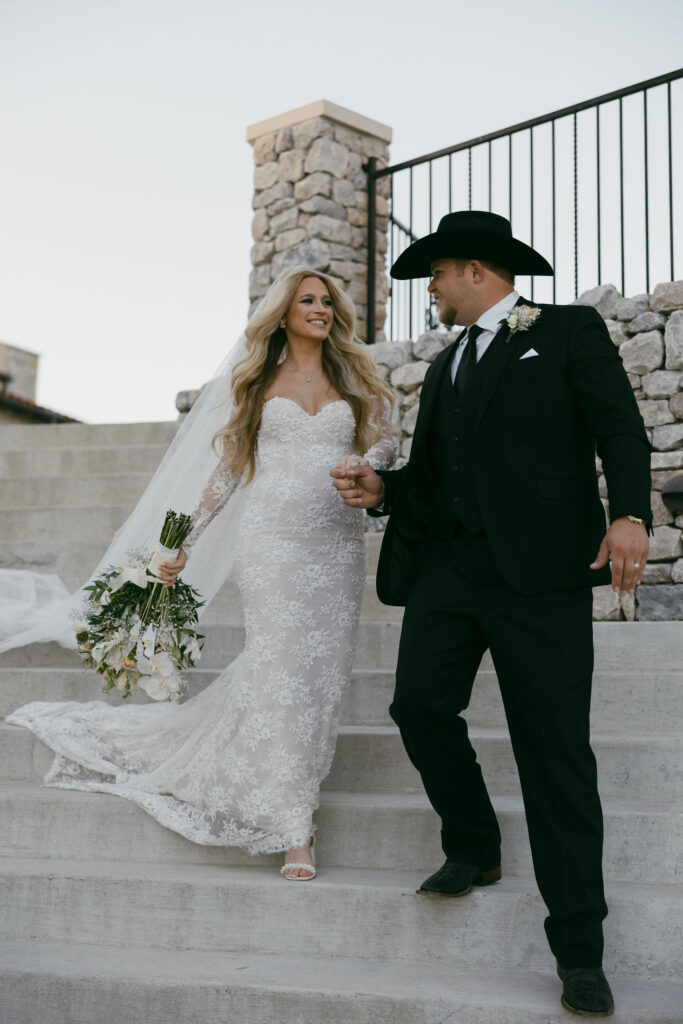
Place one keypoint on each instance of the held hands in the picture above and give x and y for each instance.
(628, 545)
(358, 484)
(169, 571)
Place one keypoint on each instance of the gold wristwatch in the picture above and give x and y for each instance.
(636, 520)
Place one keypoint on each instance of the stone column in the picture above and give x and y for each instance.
(311, 203)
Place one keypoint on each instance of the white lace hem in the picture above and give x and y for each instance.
(168, 811)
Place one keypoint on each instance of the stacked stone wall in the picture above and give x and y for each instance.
(311, 208)
(648, 330)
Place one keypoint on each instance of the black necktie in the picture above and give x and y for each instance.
(468, 360)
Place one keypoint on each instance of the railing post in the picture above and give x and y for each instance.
(369, 169)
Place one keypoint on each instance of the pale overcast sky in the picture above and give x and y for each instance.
(125, 177)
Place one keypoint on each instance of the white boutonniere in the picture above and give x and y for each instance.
(521, 318)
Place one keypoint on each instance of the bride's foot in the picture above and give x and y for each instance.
(298, 865)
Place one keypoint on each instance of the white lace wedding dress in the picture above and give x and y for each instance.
(241, 763)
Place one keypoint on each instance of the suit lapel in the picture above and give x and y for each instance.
(505, 344)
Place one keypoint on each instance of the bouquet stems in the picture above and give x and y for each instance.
(173, 534)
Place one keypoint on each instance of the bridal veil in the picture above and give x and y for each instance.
(38, 608)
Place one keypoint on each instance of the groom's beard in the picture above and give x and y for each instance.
(447, 316)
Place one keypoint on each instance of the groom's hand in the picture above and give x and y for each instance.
(628, 545)
(358, 485)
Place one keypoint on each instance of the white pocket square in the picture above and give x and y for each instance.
(529, 354)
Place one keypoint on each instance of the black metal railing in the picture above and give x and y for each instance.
(591, 186)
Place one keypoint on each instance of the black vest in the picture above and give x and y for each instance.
(452, 443)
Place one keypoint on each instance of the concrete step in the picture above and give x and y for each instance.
(22, 437)
(366, 701)
(376, 915)
(227, 604)
(74, 560)
(376, 648)
(640, 704)
(372, 758)
(625, 648)
(636, 703)
(76, 491)
(641, 701)
(68, 462)
(65, 983)
(87, 523)
(377, 830)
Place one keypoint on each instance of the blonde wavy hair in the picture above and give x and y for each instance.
(346, 363)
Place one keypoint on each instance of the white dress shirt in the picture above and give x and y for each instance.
(490, 324)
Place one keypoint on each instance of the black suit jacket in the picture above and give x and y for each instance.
(539, 424)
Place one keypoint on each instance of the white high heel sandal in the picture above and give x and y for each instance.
(296, 866)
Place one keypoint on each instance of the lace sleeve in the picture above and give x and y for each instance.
(384, 451)
(220, 488)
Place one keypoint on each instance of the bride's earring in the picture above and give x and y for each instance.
(283, 323)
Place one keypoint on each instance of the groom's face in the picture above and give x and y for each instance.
(451, 288)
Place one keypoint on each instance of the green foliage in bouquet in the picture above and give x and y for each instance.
(138, 632)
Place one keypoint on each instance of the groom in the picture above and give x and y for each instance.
(495, 537)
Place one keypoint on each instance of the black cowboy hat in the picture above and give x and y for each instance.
(470, 234)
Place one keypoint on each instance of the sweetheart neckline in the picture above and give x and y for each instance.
(311, 415)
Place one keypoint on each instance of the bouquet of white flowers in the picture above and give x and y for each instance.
(138, 632)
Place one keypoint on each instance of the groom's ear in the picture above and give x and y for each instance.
(473, 271)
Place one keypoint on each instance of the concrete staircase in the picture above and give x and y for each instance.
(107, 917)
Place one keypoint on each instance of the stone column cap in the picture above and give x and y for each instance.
(321, 108)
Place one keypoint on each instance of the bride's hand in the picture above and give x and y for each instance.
(169, 571)
(348, 462)
(358, 484)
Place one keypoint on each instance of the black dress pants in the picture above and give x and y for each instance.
(542, 650)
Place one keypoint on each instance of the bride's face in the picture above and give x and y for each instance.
(311, 314)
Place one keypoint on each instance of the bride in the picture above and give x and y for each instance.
(240, 764)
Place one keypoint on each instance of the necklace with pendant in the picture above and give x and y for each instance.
(305, 375)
